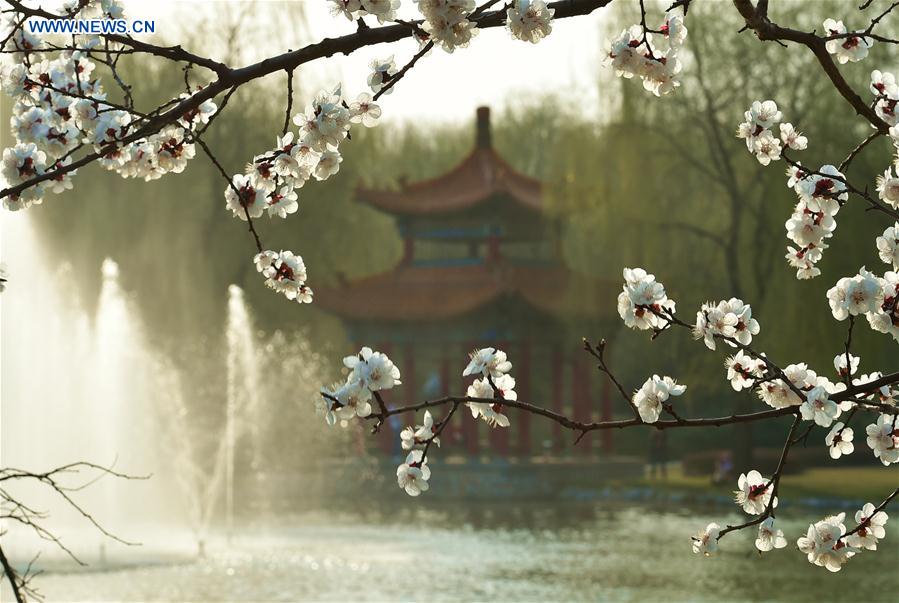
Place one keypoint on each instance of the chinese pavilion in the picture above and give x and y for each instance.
(481, 267)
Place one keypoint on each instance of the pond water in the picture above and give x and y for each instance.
(552, 552)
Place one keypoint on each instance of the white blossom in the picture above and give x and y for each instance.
(888, 188)
(419, 435)
(885, 319)
(651, 397)
(381, 72)
(840, 364)
(860, 294)
(823, 192)
(839, 441)
(345, 402)
(363, 110)
(823, 543)
(373, 370)
(818, 407)
(871, 528)
(769, 538)
(491, 412)
(245, 196)
(529, 20)
(778, 394)
(754, 492)
(851, 48)
(743, 370)
(706, 541)
(766, 147)
(730, 319)
(883, 438)
(487, 361)
(447, 23)
(792, 138)
(884, 84)
(413, 475)
(888, 246)
(282, 202)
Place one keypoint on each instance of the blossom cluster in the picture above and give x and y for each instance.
(828, 543)
(813, 220)
(269, 183)
(744, 371)
(730, 320)
(867, 294)
(60, 106)
(633, 53)
(447, 22)
(760, 141)
(793, 391)
(495, 383)
(641, 305)
(285, 273)
(643, 302)
(369, 371)
(529, 20)
(822, 193)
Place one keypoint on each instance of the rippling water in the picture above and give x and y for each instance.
(571, 552)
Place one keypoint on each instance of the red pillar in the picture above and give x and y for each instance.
(580, 390)
(522, 420)
(493, 252)
(470, 426)
(558, 394)
(408, 250)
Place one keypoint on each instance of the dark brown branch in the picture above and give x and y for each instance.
(399, 74)
(289, 109)
(863, 193)
(598, 352)
(12, 577)
(773, 483)
(844, 165)
(767, 30)
(569, 423)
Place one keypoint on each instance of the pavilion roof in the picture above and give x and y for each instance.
(413, 293)
(482, 175)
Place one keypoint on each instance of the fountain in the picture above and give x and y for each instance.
(243, 390)
(78, 386)
(81, 385)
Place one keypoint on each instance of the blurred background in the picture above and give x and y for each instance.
(137, 333)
